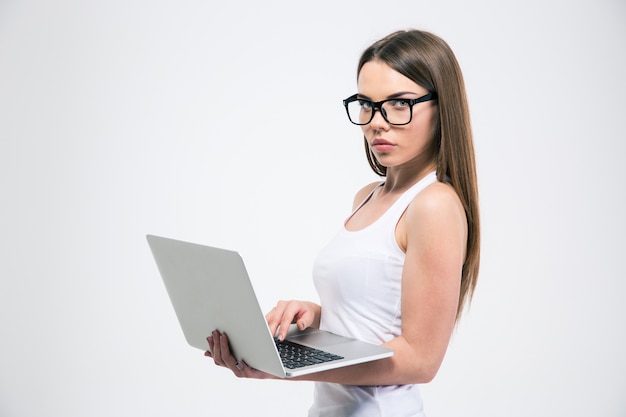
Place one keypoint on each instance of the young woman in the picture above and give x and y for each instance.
(405, 262)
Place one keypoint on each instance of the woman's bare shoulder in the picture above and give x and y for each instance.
(436, 204)
(437, 196)
(363, 193)
(436, 214)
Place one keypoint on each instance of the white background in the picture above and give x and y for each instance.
(221, 123)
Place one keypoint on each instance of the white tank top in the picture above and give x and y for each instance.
(358, 277)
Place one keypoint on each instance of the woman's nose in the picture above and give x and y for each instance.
(378, 121)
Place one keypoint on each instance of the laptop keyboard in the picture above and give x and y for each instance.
(295, 355)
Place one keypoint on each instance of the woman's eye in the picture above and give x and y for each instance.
(366, 104)
(400, 103)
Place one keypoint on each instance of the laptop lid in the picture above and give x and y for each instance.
(210, 289)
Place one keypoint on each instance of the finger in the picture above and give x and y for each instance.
(217, 349)
(272, 323)
(274, 316)
(229, 360)
(211, 342)
(305, 319)
(292, 311)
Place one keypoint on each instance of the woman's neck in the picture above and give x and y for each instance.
(399, 179)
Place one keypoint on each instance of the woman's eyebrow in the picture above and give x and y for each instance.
(402, 93)
(392, 96)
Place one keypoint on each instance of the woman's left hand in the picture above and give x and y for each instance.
(222, 356)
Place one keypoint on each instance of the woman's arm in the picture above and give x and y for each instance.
(433, 233)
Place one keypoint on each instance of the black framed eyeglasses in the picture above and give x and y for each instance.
(396, 111)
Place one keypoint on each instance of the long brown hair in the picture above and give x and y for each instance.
(427, 60)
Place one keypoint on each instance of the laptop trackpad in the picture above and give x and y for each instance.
(316, 337)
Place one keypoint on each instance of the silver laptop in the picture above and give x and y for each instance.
(210, 290)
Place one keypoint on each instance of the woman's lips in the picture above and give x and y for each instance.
(382, 145)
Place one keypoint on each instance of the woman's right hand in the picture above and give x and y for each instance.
(303, 313)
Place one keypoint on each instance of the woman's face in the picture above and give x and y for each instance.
(397, 146)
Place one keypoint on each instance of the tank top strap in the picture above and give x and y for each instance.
(400, 205)
(366, 199)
